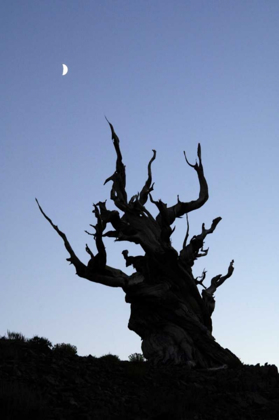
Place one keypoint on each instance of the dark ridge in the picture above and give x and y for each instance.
(44, 383)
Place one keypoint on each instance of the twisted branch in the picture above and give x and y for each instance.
(109, 277)
(169, 214)
(118, 193)
(147, 187)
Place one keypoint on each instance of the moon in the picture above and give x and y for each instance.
(65, 69)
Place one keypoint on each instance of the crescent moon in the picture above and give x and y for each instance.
(65, 69)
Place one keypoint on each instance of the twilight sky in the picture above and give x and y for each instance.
(167, 74)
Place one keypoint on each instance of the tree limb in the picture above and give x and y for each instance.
(208, 295)
(98, 263)
(187, 232)
(108, 216)
(190, 252)
(218, 280)
(109, 277)
(118, 193)
(147, 187)
(214, 223)
(169, 214)
(199, 280)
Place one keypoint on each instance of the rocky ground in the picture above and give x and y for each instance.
(39, 383)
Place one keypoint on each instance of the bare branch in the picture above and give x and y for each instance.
(187, 232)
(88, 250)
(98, 263)
(208, 295)
(214, 223)
(199, 280)
(80, 267)
(218, 280)
(109, 276)
(118, 193)
(179, 209)
(147, 187)
(163, 220)
(203, 194)
(190, 252)
(203, 252)
(108, 216)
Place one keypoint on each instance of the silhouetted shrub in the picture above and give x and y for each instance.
(110, 358)
(65, 349)
(15, 336)
(40, 343)
(136, 358)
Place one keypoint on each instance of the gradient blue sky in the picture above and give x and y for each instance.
(167, 74)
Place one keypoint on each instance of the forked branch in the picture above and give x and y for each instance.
(208, 295)
(109, 276)
(218, 280)
(181, 208)
(199, 280)
(191, 252)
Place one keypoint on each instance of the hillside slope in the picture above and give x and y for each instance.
(39, 383)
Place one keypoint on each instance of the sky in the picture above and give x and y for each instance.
(168, 75)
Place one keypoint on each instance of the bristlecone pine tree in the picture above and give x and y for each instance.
(167, 310)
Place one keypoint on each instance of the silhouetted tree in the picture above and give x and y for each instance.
(167, 310)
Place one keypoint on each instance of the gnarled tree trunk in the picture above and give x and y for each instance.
(167, 310)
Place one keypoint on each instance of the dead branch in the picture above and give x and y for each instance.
(214, 223)
(199, 280)
(168, 215)
(110, 277)
(118, 193)
(218, 280)
(190, 252)
(148, 187)
(187, 232)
